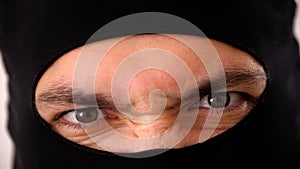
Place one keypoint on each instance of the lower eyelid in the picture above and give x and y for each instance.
(77, 127)
(243, 107)
(65, 125)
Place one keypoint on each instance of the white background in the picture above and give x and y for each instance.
(6, 146)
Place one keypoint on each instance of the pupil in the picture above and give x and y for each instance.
(87, 115)
(219, 100)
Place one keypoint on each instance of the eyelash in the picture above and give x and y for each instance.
(62, 122)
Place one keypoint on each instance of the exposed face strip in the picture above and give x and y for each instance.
(245, 80)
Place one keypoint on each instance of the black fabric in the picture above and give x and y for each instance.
(34, 33)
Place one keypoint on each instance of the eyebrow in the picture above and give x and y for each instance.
(62, 94)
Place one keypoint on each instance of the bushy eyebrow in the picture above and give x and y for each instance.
(236, 77)
(62, 94)
(251, 79)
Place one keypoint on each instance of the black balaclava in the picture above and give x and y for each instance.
(35, 32)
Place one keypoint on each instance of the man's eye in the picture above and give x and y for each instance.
(86, 115)
(221, 100)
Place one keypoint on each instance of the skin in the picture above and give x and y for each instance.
(243, 93)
